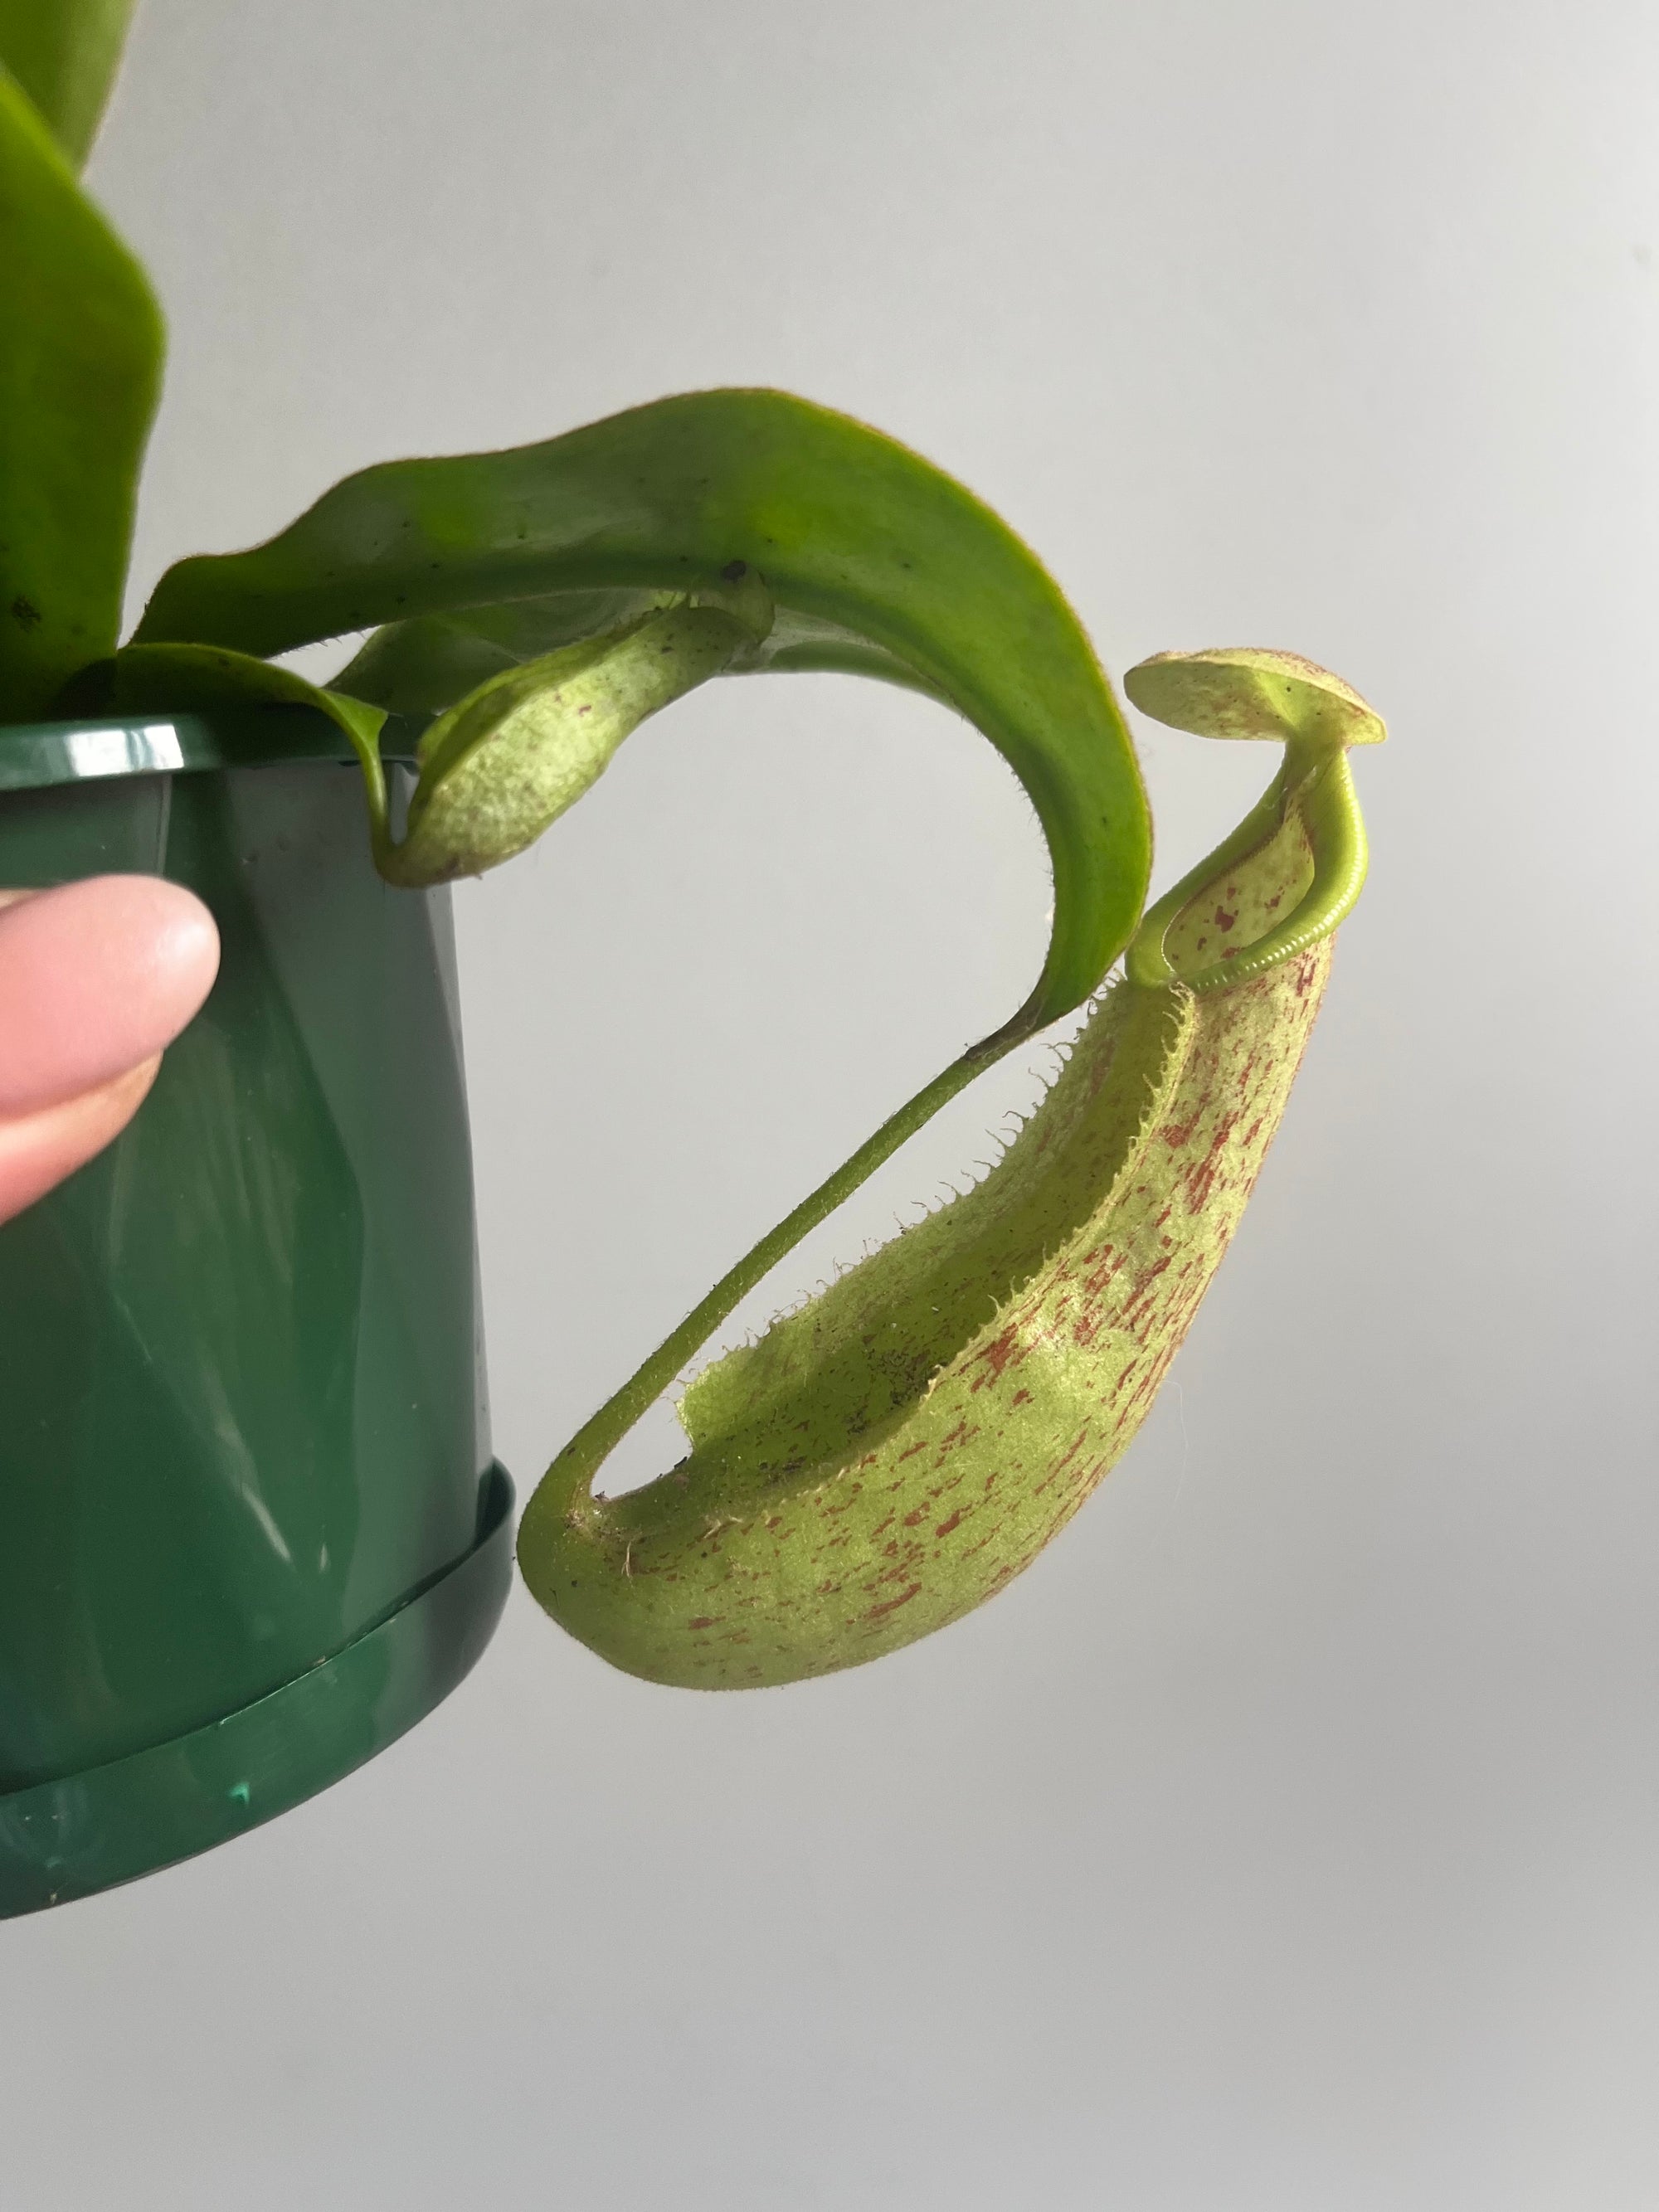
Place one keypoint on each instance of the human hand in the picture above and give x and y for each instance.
(96, 979)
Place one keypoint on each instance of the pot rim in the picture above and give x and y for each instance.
(36, 755)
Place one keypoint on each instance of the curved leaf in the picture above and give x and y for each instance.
(79, 369)
(848, 530)
(64, 54)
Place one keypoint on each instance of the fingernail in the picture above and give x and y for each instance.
(96, 978)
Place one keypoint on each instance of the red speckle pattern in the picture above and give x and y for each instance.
(1010, 1439)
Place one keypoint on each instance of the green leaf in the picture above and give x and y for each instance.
(80, 367)
(183, 679)
(871, 547)
(894, 1452)
(65, 53)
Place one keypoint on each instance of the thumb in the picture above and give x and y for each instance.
(96, 979)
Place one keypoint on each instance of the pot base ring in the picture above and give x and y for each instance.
(107, 1825)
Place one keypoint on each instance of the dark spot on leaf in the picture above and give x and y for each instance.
(24, 612)
(734, 570)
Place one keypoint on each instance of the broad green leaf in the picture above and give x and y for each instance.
(64, 54)
(894, 1452)
(80, 367)
(874, 550)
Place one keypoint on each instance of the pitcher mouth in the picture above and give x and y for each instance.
(107, 1825)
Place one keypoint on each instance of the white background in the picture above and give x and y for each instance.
(1287, 1838)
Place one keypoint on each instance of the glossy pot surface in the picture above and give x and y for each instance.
(243, 1443)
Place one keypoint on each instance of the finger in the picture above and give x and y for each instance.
(39, 1150)
(96, 979)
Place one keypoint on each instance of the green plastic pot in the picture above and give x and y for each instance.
(250, 1528)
